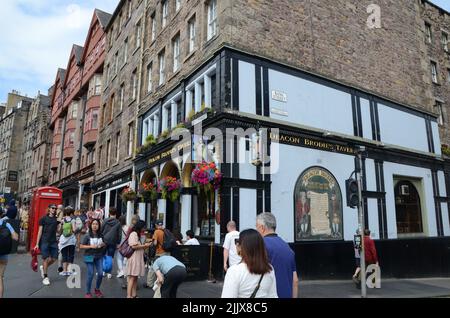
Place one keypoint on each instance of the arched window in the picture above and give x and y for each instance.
(407, 208)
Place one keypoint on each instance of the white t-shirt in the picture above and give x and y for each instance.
(192, 241)
(229, 244)
(240, 283)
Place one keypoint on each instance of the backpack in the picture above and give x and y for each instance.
(67, 229)
(79, 224)
(169, 241)
(5, 239)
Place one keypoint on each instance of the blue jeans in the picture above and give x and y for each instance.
(110, 250)
(98, 263)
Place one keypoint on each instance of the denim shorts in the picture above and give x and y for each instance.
(49, 250)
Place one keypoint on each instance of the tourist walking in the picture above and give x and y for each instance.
(112, 233)
(120, 259)
(7, 234)
(135, 264)
(281, 256)
(253, 277)
(230, 254)
(47, 241)
(67, 241)
(94, 248)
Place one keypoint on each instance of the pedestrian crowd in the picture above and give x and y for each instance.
(257, 262)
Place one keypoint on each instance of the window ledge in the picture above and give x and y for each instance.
(114, 77)
(131, 102)
(208, 42)
(128, 158)
(174, 74)
(115, 165)
(190, 55)
(123, 65)
(135, 50)
(119, 113)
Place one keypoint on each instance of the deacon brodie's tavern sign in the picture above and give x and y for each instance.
(312, 143)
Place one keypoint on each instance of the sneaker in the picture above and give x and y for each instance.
(109, 276)
(355, 279)
(120, 274)
(89, 295)
(98, 293)
(42, 271)
(46, 281)
(60, 269)
(62, 273)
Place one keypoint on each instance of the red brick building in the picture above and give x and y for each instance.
(75, 108)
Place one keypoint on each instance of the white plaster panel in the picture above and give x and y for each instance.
(441, 179)
(247, 88)
(247, 209)
(445, 220)
(402, 129)
(371, 180)
(436, 139)
(365, 117)
(372, 212)
(311, 104)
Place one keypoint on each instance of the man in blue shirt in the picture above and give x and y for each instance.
(4, 257)
(281, 256)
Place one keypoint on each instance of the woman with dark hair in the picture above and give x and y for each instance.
(135, 264)
(253, 277)
(94, 248)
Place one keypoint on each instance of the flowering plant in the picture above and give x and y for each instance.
(207, 177)
(148, 192)
(169, 187)
(128, 194)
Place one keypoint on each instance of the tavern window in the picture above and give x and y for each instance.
(199, 92)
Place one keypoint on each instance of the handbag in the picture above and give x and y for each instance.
(125, 249)
(89, 258)
(34, 259)
(257, 287)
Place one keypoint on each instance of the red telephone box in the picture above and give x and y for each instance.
(42, 198)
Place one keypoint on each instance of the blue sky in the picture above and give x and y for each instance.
(37, 36)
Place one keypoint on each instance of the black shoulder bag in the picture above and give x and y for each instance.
(257, 287)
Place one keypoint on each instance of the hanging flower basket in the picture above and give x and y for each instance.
(169, 187)
(128, 194)
(206, 177)
(148, 192)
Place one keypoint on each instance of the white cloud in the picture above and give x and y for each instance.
(37, 36)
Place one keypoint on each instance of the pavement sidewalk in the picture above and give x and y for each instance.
(22, 282)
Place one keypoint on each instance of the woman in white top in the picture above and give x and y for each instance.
(253, 276)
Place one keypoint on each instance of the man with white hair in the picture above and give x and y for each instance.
(229, 246)
(281, 256)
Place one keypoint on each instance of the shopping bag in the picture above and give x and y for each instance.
(107, 264)
(34, 259)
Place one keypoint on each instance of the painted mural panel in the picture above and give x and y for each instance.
(318, 206)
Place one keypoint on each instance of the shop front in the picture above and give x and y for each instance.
(108, 193)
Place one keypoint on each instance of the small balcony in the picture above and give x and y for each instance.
(68, 153)
(90, 137)
(54, 164)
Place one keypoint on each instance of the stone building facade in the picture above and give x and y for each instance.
(117, 128)
(436, 50)
(35, 158)
(75, 115)
(12, 125)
